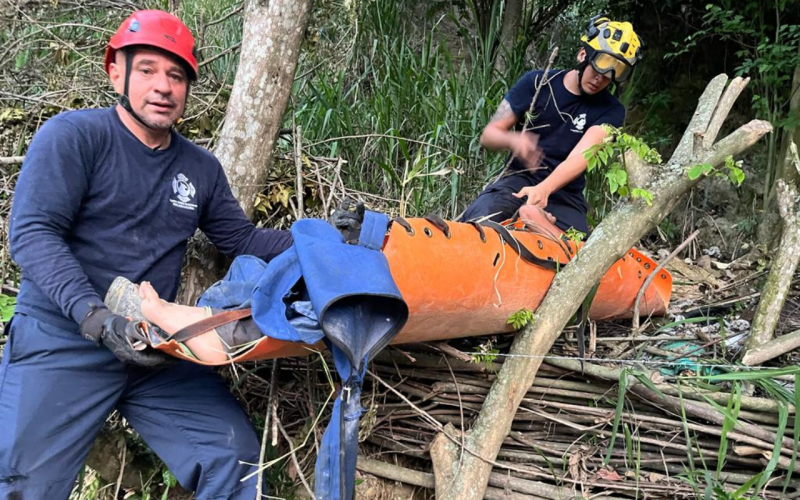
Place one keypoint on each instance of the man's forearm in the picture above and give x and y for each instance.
(496, 139)
(567, 171)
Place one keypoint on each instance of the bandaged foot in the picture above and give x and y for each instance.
(173, 317)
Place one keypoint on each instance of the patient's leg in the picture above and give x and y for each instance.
(173, 317)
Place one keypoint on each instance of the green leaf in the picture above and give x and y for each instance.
(623, 387)
(520, 318)
(695, 172)
(168, 478)
(783, 418)
(7, 306)
(644, 194)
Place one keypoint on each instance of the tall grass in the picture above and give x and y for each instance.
(407, 113)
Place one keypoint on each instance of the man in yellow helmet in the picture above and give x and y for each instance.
(546, 176)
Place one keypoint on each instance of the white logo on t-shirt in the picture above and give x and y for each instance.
(579, 122)
(184, 191)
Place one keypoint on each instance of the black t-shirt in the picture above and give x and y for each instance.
(560, 119)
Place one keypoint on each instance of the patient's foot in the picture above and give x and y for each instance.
(166, 315)
(174, 317)
(539, 218)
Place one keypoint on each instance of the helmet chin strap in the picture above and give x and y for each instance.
(581, 68)
(124, 100)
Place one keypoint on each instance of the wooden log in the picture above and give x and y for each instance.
(772, 349)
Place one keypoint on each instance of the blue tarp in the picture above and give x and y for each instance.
(325, 289)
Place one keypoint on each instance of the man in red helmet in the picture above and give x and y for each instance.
(118, 192)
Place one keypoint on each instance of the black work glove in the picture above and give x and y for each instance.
(348, 220)
(115, 332)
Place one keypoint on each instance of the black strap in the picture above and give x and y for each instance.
(208, 324)
(580, 334)
(521, 249)
(125, 101)
(438, 223)
(404, 223)
(479, 228)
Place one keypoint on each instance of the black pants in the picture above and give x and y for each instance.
(498, 199)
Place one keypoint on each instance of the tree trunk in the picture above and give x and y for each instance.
(625, 225)
(768, 229)
(784, 263)
(271, 40)
(114, 461)
(512, 18)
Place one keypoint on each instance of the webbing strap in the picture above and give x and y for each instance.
(208, 324)
(521, 249)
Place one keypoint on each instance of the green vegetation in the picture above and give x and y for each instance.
(400, 93)
(521, 318)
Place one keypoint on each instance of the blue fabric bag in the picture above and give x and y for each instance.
(325, 289)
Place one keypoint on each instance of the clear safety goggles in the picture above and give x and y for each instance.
(604, 62)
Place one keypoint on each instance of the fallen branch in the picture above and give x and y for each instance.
(772, 349)
(610, 240)
(11, 160)
(653, 275)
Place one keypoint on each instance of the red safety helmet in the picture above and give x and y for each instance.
(159, 29)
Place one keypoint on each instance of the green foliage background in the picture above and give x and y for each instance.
(401, 91)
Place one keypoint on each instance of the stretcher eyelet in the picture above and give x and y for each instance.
(647, 265)
(631, 254)
(428, 232)
(496, 258)
(663, 276)
(539, 244)
(638, 259)
(640, 275)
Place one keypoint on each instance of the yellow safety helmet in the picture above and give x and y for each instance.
(612, 46)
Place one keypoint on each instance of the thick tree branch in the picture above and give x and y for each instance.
(625, 225)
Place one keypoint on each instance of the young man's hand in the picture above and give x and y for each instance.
(525, 146)
(537, 195)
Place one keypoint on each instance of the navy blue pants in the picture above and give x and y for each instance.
(497, 199)
(57, 389)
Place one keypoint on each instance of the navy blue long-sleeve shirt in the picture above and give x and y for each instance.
(93, 202)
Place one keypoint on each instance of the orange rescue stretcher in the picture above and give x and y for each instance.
(466, 279)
